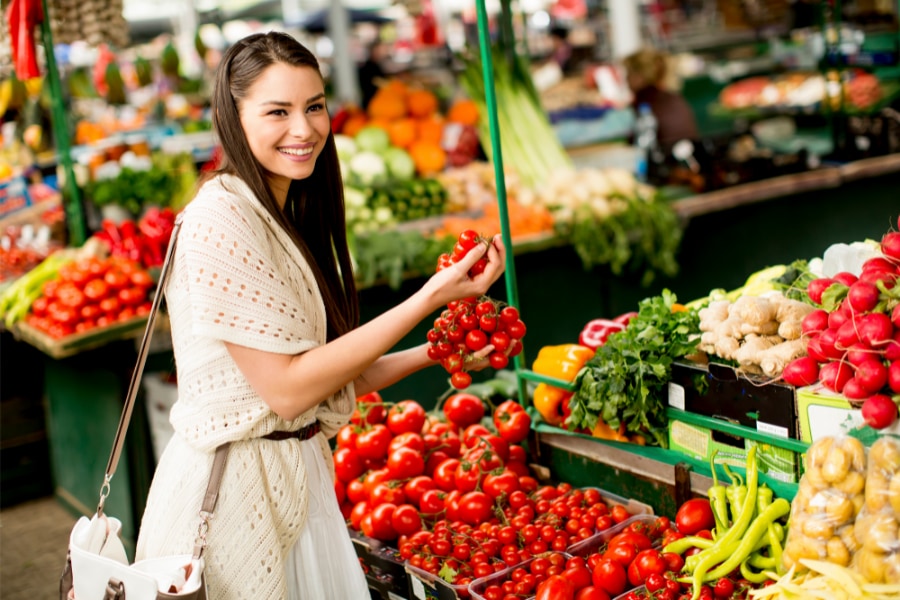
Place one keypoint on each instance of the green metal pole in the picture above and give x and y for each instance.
(72, 200)
(487, 67)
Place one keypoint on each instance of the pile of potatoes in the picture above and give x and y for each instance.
(829, 497)
(878, 523)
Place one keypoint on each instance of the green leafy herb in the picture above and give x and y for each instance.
(390, 255)
(626, 380)
(645, 235)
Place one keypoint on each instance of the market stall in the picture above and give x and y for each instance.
(626, 441)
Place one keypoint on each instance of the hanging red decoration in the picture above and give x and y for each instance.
(22, 16)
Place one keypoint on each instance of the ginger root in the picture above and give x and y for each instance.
(774, 359)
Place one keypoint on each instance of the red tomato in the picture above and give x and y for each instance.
(502, 484)
(591, 593)
(415, 487)
(555, 587)
(650, 562)
(132, 296)
(511, 421)
(116, 279)
(623, 553)
(356, 491)
(639, 540)
(141, 279)
(374, 443)
(382, 522)
(347, 465)
(346, 437)
(385, 493)
(445, 474)
(463, 409)
(475, 507)
(460, 380)
(360, 510)
(96, 289)
(619, 513)
(432, 502)
(405, 463)
(610, 576)
(406, 520)
(694, 515)
(371, 406)
(406, 416)
(580, 577)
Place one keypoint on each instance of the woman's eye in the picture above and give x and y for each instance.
(278, 112)
(316, 107)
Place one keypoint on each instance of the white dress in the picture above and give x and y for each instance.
(238, 278)
(323, 542)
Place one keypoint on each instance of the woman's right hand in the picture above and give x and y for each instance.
(453, 282)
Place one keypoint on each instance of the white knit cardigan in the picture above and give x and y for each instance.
(237, 278)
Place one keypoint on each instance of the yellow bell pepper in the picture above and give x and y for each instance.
(605, 432)
(549, 402)
(563, 361)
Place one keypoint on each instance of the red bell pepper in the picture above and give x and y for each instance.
(596, 331)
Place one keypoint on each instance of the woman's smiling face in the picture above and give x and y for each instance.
(286, 123)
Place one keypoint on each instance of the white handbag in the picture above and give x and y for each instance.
(97, 566)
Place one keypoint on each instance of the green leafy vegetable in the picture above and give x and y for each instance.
(646, 235)
(626, 380)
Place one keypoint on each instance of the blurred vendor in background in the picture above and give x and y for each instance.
(651, 83)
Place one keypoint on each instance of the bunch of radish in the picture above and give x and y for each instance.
(854, 338)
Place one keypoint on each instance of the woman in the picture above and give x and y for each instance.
(264, 317)
(649, 81)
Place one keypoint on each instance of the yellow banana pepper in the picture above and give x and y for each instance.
(561, 362)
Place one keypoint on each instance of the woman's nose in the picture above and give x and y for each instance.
(299, 125)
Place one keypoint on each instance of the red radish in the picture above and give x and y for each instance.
(872, 375)
(895, 316)
(875, 329)
(828, 344)
(888, 278)
(847, 335)
(859, 352)
(853, 390)
(863, 296)
(835, 375)
(814, 350)
(890, 246)
(894, 377)
(817, 321)
(836, 318)
(846, 278)
(892, 348)
(879, 411)
(878, 263)
(801, 371)
(817, 286)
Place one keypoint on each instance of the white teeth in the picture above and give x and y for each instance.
(296, 151)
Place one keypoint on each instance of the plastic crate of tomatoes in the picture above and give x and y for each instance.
(445, 561)
(522, 580)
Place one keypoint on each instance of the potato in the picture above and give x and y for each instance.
(856, 453)
(894, 493)
(814, 479)
(801, 546)
(885, 455)
(851, 541)
(870, 565)
(817, 453)
(836, 466)
(877, 490)
(819, 528)
(839, 509)
(880, 533)
(853, 484)
(837, 552)
(858, 501)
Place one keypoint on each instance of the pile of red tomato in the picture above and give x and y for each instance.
(454, 493)
(91, 293)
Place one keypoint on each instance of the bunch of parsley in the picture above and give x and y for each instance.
(626, 380)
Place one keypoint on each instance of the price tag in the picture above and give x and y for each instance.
(676, 396)
(417, 588)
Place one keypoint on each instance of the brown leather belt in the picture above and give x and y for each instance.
(301, 434)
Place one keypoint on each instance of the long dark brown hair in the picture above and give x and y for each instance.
(314, 212)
